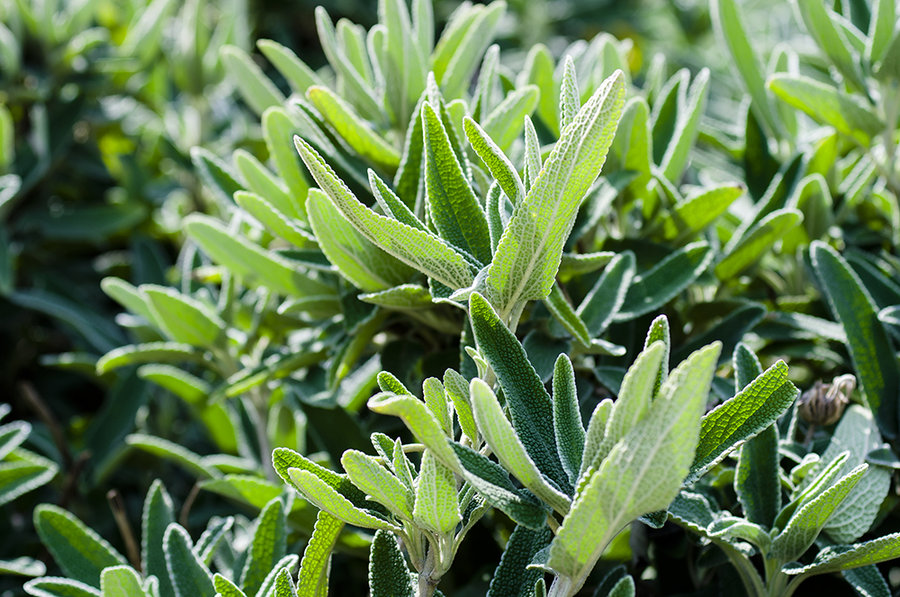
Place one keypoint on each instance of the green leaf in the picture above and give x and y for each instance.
(512, 578)
(79, 551)
(492, 481)
(822, 26)
(690, 109)
(158, 514)
(402, 297)
(189, 388)
(12, 435)
(358, 134)
(728, 22)
(268, 545)
(827, 105)
(120, 581)
(500, 436)
(392, 204)
(665, 280)
(298, 75)
(806, 524)
(359, 260)
(870, 348)
(266, 184)
(191, 461)
(256, 88)
(751, 246)
(495, 160)
(226, 588)
(182, 317)
(529, 404)
(277, 128)
(742, 417)
(858, 434)
(505, 122)
(420, 249)
(275, 221)
(643, 472)
(388, 574)
(370, 476)
(23, 471)
(462, 44)
(567, 423)
(420, 421)
(325, 497)
(659, 332)
(453, 207)
(457, 389)
(881, 29)
(436, 506)
(569, 96)
(128, 296)
(23, 566)
(756, 475)
(250, 261)
(848, 557)
(149, 352)
(867, 580)
(607, 296)
(557, 303)
(695, 213)
(538, 70)
(190, 577)
(529, 252)
(284, 586)
(596, 431)
(50, 586)
(316, 563)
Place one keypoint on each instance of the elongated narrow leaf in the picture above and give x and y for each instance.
(607, 296)
(827, 105)
(643, 473)
(316, 563)
(559, 306)
(848, 557)
(258, 91)
(495, 160)
(569, 96)
(275, 221)
(250, 261)
(436, 506)
(420, 421)
(453, 207)
(805, 525)
(736, 420)
(505, 122)
(675, 158)
(184, 318)
(190, 577)
(79, 551)
(821, 25)
(323, 496)
(593, 436)
(267, 547)
(358, 134)
(868, 343)
(728, 23)
(512, 578)
(388, 573)
(698, 211)
(757, 241)
(660, 284)
(52, 586)
(501, 437)
(158, 514)
(298, 75)
(530, 249)
(530, 406)
(462, 44)
(277, 127)
(492, 481)
(358, 259)
(373, 478)
(567, 423)
(420, 249)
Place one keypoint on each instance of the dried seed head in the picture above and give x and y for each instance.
(824, 403)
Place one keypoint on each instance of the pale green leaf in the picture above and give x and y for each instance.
(121, 581)
(326, 498)
(370, 476)
(190, 577)
(436, 506)
(298, 75)
(316, 563)
(256, 88)
(751, 247)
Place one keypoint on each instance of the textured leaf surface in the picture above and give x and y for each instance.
(806, 524)
(868, 343)
(268, 545)
(78, 550)
(846, 557)
(512, 578)
(746, 414)
(607, 296)
(530, 249)
(420, 249)
(501, 437)
(567, 423)
(359, 260)
(436, 506)
(495, 160)
(316, 563)
(759, 239)
(696, 212)
(424, 426)
(52, 586)
(643, 472)
(530, 406)
(184, 318)
(453, 207)
(158, 514)
(322, 495)
(373, 478)
(388, 574)
(190, 577)
(120, 581)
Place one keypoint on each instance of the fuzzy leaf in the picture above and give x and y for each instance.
(373, 478)
(847, 557)
(512, 578)
(184, 318)
(607, 296)
(121, 581)
(268, 545)
(495, 160)
(190, 577)
(436, 506)
(567, 423)
(388, 573)
(79, 551)
(316, 563)
(158, 514)
(752, 245)
(323, 496)
(530, 249)
(696, 212)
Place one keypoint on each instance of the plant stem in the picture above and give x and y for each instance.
(427, 584)
(561, 587)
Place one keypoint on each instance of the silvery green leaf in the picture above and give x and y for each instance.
(567, 423)
(821, 25)
(529, 252)
(596, 431)
(848, 557)
(436, 506)
(607, 296)
(323, 496)
(495, 160)
(298, 75)
(121, 581)
(256, 88)
(499, 434)
(277, 127)
(275, 221)
(316, 563)
(388, 574)
(420, 421)
(461, 45)
(267, 547)
(418, 248)
(569, 97)
(458, 391)
(751, 246)
(807, 522)
(190, 577)
(643, 472)
(505, 122)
